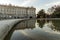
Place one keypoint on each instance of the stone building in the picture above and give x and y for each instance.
(11, 11)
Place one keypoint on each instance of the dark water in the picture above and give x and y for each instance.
(35, 30)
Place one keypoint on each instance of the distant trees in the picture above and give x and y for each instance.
(56, 13)
(53, 12)
(41, 14)
(50, 11)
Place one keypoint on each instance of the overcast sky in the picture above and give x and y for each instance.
(39, 4)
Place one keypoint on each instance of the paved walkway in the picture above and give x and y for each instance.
(6, 25)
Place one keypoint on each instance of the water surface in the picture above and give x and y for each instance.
(35, 30)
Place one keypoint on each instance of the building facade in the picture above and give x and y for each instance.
(16, 11)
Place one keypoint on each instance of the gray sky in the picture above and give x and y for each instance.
(39, 4)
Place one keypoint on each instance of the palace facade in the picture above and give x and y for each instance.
(10, 11)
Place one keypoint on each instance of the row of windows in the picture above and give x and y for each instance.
(22, 12)
(17, 11)
(12, 9)
(1, 9)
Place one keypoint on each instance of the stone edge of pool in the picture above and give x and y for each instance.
(6, 26)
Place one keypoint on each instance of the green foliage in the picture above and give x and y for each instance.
(56, 13)
(41, 14)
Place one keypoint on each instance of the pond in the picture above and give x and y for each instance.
(35, 30)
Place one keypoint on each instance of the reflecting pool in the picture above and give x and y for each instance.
(35, 30)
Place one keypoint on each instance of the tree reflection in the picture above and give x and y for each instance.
(41, 23)
(56, 23)
(54, 26)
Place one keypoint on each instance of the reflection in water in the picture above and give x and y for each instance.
(53, 24)
(41, 23)
(30, 24)
(26, 24)
(35, 30)
(56, 23)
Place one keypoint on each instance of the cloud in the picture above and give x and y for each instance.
(17, 2)
(53, 3)
(27, 2)
(4, 1)
(38, 4)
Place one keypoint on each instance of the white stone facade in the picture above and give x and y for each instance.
(16, 11)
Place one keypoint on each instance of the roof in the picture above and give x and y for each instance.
(12, 6)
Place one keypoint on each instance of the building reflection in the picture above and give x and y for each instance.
(26, 24)
(44, 26)
(29, 24)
